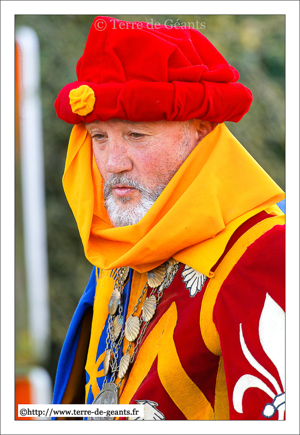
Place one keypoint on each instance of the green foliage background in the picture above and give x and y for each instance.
(254, 45)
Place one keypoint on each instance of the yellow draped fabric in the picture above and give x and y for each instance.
(216, 189)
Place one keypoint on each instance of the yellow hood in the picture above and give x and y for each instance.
(216, 189)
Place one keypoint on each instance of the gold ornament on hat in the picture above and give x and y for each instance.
(82, 100)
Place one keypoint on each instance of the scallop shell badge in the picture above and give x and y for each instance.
(132, 328)
(106, 361)
(124, 363)
(156, 276)
(149, 308)
(117, 326)
(114, 302)
(170, 264)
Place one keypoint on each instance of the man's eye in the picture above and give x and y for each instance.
(136, 135)
(98, 136)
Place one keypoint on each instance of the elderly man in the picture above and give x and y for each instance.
(184, 308)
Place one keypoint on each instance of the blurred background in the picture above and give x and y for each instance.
(254, 45)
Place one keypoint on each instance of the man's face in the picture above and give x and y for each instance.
(136, 161)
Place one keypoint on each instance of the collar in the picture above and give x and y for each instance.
(217, 188)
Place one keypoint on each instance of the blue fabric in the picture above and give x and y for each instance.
(281, 205)
(68, 352)
(67, 355)
(102, 341)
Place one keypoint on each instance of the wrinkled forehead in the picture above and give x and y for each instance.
(146, 125)
(120, 121)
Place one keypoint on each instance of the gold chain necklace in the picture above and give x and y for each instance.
(135, 327)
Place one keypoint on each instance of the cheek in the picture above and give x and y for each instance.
(157, 166)
(149, 162)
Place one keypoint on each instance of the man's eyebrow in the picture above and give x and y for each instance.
(124, 121)
(144, 125)
(89, 124)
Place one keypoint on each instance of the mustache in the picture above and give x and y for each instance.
(123, 180)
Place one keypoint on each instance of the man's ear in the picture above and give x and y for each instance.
(202, 128)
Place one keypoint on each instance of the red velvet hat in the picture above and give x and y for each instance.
(145, 72)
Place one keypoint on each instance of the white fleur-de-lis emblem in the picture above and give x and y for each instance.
(271, 335)
(150, 411)
(193, 280)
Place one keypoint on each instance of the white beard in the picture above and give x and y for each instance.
(120, 215)
(130, 216)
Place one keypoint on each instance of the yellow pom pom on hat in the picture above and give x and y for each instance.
(82, 100)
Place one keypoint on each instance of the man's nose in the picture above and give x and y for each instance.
(118, 159)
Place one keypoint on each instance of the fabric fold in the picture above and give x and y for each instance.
(215, 190)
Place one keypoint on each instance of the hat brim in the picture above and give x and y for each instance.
(143, 101)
